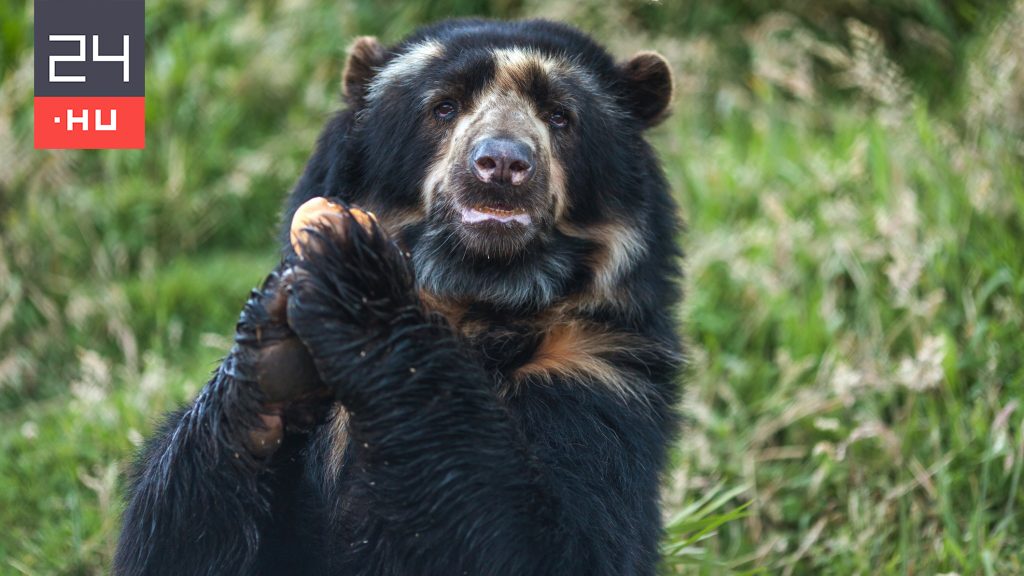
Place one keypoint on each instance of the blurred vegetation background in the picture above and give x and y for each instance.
(851, 173)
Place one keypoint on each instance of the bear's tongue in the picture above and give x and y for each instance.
(480, 214)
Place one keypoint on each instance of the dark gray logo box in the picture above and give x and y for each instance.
(109, 20)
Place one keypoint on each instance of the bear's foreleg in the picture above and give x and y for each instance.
(205, 484)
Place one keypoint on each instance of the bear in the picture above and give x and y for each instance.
(467, 362)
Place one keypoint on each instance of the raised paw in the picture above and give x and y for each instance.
(322, 213)
(348, 271)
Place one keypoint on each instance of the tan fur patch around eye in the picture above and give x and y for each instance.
(437, 171)
(579, 351)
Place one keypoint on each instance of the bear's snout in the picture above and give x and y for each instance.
(502, 161)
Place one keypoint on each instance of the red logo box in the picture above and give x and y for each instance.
(90, 122)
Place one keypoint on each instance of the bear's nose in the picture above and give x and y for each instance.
(502, 161)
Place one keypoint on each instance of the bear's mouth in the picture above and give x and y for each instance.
(493, 221)
(494, 226)
(500, 214)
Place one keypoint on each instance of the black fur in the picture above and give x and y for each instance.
(455, 463)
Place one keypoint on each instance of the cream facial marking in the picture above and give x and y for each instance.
(513, 64)
(404, 67)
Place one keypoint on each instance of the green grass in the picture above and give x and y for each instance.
(855, 277)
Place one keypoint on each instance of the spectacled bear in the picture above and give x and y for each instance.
(477, 379)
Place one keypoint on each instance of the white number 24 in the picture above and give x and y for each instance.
(80, 57)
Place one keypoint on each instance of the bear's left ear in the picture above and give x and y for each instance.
(365, 56)
(648, 82)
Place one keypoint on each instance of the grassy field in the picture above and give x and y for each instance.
(855, 272)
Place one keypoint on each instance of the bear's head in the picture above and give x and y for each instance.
(508, 157)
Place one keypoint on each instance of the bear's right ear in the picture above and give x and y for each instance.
(648, 80)
(365, 56)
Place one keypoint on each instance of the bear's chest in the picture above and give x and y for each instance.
(501, 347)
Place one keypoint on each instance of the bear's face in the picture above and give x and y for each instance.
(497, 180)
(499, 144)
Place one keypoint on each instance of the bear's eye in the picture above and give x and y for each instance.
(558, 120)
(445, 110)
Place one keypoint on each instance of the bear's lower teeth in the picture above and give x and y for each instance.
(486, 213)
(496, 211)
